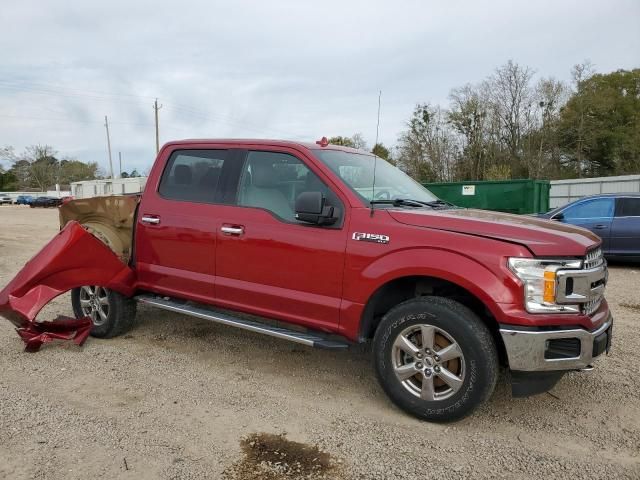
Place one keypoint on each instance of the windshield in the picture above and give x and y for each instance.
(356, 170)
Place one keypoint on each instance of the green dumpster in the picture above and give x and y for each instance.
(512, 196)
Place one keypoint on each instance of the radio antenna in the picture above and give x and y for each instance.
(375, 157)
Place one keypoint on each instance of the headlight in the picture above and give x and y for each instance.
(539, 278)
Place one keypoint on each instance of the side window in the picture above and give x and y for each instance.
(598, 208)
(628, 207)
(273, 181)
(192, 175)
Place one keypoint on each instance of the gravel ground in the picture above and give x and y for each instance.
(183, 398)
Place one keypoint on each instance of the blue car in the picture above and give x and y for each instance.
(24, 200)
(613, 217)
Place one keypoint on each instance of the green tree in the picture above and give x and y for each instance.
(381, 151)
(354, 141)
(599, 127)
(72, 170)
(8, 180)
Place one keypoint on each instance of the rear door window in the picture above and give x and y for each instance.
(628, 207)
(193, 176)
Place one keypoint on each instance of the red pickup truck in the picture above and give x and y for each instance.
(328, 246)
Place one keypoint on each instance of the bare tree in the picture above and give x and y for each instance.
(358, 141)
(511, 97)
(428, 149)
(579, 73)
(551, 95)
(468, 117)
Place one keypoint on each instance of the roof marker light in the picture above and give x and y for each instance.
(323, 142)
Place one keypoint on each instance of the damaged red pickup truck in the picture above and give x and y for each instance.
(301, 237)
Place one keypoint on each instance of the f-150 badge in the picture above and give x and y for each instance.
(370, 237)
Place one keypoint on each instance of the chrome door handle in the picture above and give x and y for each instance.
(151, 220)
(232, 230)
(600, 227)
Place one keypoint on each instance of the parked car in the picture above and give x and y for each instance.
(5, 199)
(46, 202)
(301, 234)
(24, 200)
(613, 217)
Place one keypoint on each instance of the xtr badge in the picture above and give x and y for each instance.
(370, 237)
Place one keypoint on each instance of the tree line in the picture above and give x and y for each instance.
(510, 126)
(38, 167)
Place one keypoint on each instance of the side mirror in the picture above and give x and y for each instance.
(559, 217)
(311, 208)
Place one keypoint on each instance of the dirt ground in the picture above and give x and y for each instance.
(179, 397)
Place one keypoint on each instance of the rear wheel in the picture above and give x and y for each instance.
(112, 313)
(435, 358)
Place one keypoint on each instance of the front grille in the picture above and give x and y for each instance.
(583, 286)
(593, 259)
(592, 306)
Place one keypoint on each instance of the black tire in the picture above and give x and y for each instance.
(120, 316)
(477, 366)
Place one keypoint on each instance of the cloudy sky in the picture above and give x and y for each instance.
(272, 69)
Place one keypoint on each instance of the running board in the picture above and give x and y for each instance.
(206, 313)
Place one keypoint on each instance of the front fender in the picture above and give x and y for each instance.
(486, 278)
(73, 258)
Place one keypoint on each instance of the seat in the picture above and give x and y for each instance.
(263, 191)
(180, 186)
(207, 184)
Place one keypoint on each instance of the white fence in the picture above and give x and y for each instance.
(565, 191)
(100, 188)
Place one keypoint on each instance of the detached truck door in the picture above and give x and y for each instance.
(176, 225)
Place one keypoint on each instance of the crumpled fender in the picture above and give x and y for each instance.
(73, 258)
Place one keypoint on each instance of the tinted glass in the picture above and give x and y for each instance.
(273, 181)
(193, 175)
(599, 208)
(628, 207)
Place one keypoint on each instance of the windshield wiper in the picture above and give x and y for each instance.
(439, 203)
(401, 202)
(408, 202)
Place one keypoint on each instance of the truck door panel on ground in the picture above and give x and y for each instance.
(177, 223)
(264, 256)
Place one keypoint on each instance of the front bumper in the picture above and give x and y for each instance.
(537, 350)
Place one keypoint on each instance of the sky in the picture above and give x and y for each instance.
(287, 69)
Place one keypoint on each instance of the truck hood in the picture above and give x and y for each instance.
(542, 237)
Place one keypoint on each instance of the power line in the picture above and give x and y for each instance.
(55, 90)
(73, 120)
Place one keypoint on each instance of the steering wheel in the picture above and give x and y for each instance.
(381, 194)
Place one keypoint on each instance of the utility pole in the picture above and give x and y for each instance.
(106, 125)
(156, 108)
(120, 162)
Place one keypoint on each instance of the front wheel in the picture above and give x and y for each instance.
(112, 313)
(435, 358)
